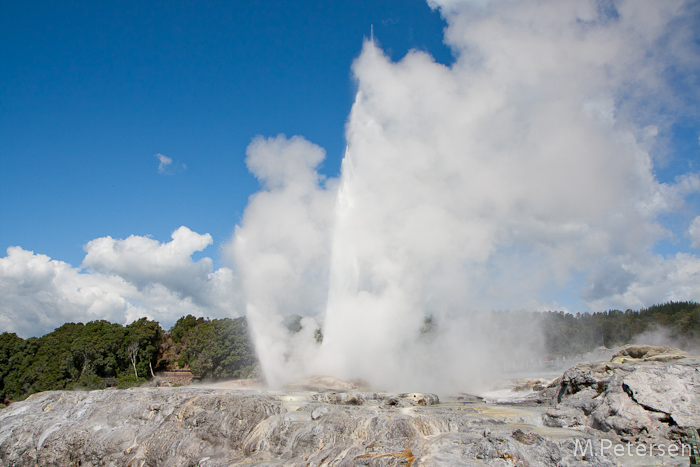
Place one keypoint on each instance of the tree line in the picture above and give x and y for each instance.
(677, 323)
(92, 355)
(87, 355)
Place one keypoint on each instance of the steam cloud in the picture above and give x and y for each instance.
(518, 177)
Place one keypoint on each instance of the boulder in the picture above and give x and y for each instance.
(641, 401)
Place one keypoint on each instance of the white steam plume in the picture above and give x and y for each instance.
(521, 174)
(282, 249)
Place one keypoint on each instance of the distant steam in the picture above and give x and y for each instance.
(520, 177)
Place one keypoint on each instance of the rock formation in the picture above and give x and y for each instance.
(643, 400)
(646, 402)
(648, 353)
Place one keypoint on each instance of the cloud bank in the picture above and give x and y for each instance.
(521, 176)
(124, 280)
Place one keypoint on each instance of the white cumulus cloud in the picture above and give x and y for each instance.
(164, 163)
(167, 166)
(694, 232)
(125, 280)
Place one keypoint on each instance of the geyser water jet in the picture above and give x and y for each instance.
(518, 177)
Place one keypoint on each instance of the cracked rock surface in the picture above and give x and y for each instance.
(641, 401)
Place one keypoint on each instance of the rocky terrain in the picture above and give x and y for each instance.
(312, 424)
(641, 396)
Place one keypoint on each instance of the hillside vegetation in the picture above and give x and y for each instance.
(91, 355)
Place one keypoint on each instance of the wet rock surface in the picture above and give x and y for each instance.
(190, 426)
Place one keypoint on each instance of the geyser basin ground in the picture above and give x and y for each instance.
(577, 420)
(188, 426)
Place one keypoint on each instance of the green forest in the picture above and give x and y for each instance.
(569, 334)
(93, 355)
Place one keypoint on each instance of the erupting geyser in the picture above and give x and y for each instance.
(518, 177)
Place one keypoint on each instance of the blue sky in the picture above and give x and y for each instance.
(91, 91)
(560, 139)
